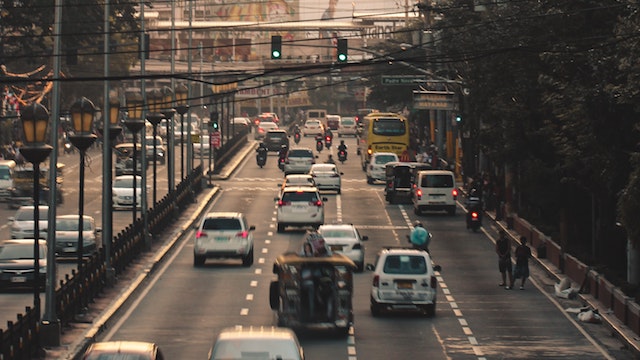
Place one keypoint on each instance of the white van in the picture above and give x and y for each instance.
(6, 178)
(434, 190)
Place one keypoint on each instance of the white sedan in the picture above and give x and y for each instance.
(326, 177)
(345, 239)
(123, 192)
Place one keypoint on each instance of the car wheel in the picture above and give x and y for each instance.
(430, 310)
(369, 180)
(248, 260)
(338, 191)
(280, 227)
(198, 260)
(274, 295)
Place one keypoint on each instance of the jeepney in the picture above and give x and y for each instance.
(400, 177)
(22, 192)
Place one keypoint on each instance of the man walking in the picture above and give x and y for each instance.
(503, 249)
(521, 270)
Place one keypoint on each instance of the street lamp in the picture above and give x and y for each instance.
(82, 113)
(134, 123)
(111, 127)
(168, 112)
(35, 121)
(182, 92)
(154, 97)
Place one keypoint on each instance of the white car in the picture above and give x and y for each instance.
(160, 152)
(122, 190)
(263, 128)
(403, 279)
(300, 206)
(345, 239)
(297, 180)
(256, 342)
(376, 167)
(223, 235)
(299, 161)
(67, 235)
(347, 126)
(326, 177)
(22, 222)
(312, 127)
(203, 146)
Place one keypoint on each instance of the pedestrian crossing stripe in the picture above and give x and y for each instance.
(282, 179)
(276, 189)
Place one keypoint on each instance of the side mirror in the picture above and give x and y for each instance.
(365, 238)
(370, 267)
(437, 268)
(325, 199)
(11, 219)
(341, 173)
(252, 227)
(98, 229)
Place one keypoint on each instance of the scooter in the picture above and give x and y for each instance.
(261, 158)
(68, 147)
(474, 220)
(319, 144)
(296, 137)
(327, 141)
(342, 156)
(281, 161)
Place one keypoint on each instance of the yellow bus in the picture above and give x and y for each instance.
(383, 132)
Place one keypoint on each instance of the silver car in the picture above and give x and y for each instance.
(224, 235)
(256, 342)
(300, 206)
(22, 223)
(345, 239)
(299, 161)
(67, 235)
(326, 177)
(122, 190)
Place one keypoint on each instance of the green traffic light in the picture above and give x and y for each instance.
(275, 54)
(342, 57)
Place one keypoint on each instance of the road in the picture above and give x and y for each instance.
(182, 308)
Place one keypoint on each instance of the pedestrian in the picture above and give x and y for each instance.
(521, 270)
(420, 237)
(503, 249)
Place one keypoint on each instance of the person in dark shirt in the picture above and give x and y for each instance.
(521, 270)
(503, 249)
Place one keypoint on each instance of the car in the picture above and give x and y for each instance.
(160, 151)
(347, 126)
(345, 239)
(274, 139)
(312, 127)
(17, 263)
(262, 128)
(223, 235)
(403, 279)
(180, 134)
(124, 159)
(300, 206)
(121, 350)
(241, 122)
(67, 235)
(326, 177)
(299, 161)
(22, 222)
(376, 167)
(122, 190)
(256, 342)
(333, 121)
(203, 146)
(297, 180)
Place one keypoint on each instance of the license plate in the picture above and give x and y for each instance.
(221, 238)
(336, 248)
(404, 285)
(69, 249)
(18, 279)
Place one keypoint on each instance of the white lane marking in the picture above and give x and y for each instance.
(258, 271)
(253, 283)
(249, 297)
(261, 261)
(244, 311)
(339, 209)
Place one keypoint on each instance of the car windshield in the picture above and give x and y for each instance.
(437, 181)
(27, 214)
(255, 349)
(383, 159)
(126, 183)
(221, 224)
(18, 251)
(276, 136)
(72, 225)
(405, 264)
(337, 233)
(300, 153)
(300, 196)
(5, 174)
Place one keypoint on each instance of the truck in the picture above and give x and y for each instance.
(22, 192)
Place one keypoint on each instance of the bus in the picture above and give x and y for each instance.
(383, 132)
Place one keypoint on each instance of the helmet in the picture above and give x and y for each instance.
(341, 142)
(417, 223)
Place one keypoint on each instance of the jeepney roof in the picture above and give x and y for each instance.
(292, 258)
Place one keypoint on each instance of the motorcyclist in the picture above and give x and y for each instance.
(342, 147)
(474, 204)
(330, 160)
(296, 129)
(420, 237)
(282, 153)
(328, 133)
(262, 152)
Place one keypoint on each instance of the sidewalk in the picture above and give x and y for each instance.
(105, 309)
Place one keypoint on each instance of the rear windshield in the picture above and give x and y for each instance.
(383, 159)
(348, 122)
(275, 136)
(389, 127)
(437, 181)
(222, 224)
(405, 264)
(303, 196)
(300, 153)
(27, 214)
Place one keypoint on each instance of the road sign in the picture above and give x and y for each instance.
(402, 79)
(214, 139)
(433, 100)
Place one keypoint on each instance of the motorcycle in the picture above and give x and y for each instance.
(261, 159)
(296, 137)
(281, 161)
(319, 145)
(68, 147)
(474, 216)
(327, 141)
(342, 155)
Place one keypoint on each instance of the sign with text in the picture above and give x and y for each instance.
(434, 100)
(214, 138)
(402, 79)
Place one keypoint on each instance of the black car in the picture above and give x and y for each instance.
(274, 139)
(17, 263)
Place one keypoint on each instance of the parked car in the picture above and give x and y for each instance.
(67, 235)
(262, 128)
(22, 222)
(345, 239)
(403, 279)
(122, 189)
(326, 177)
(299, 161)
(256, 342)
(123, 350)
(224, 235)
(17, 263)
(300, 206)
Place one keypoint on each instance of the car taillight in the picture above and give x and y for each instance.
(243, 234)
(369, 151)
(376, 281)
(283, 203)
(454, 192)
(318, 203)
(200, 234)
(474, 215)
(419, 194)
(434, 282)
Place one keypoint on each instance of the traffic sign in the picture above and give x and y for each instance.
(402, 79)
(434, 100)
(214, 139)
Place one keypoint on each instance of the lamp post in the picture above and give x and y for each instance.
(168, 112)
(35, 121)
(82, 113)
(110, 131)
(154, 97)
(134, 123)
(182, 107)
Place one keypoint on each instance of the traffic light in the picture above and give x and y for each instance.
(276, 46)
(458, 119)
(213, 121)
(342, 50)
